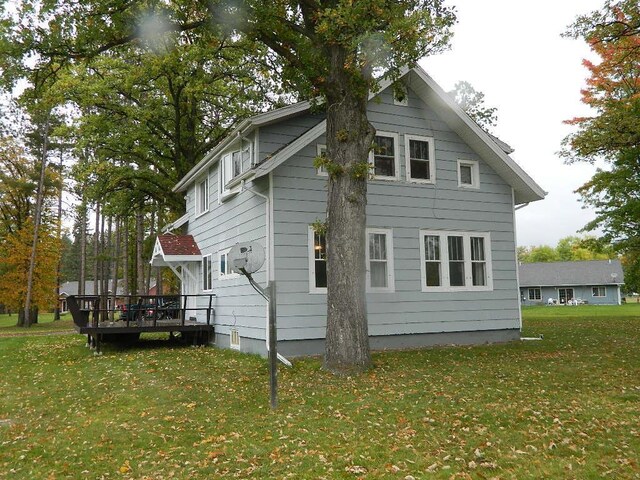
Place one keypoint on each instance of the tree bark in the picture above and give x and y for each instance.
(125, 259)
(28, 320)
(115, 264)
(349, 140)
(139, 244)
(56, 311)
(96, 252)
(82, 213)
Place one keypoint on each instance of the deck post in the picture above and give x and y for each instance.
(209, 310)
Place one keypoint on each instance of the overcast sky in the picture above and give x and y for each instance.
(513, 53)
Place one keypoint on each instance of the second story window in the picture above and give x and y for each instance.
(202, 196)
(384, 156)
(419, 155)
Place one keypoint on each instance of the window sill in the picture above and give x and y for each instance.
(488, 288)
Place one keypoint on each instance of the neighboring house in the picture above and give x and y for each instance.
(441, 262)
(595, 281)
(71, 288)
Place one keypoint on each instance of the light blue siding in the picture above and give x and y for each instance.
(583, 293)
(404, 207)
(239, 218)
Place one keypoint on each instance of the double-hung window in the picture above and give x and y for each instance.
(202, 196)
(379, 252)
(232, 165)
(224, 267)
(317, 262)
(419, 153)
(384, 156)
(321, 151)
(206, 273)
(453, 261)
(380, 274)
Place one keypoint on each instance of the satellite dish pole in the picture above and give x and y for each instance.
(247, 258)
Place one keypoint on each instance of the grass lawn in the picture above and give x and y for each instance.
(564, 407)
(45, 324)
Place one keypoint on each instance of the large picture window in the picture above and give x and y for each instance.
(453, 261)
(384, 156)
(419, 153)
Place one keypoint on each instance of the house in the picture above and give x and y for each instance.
(595, 281)
(441, 262)
(71, 288)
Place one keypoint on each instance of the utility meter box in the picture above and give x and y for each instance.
(247, 255)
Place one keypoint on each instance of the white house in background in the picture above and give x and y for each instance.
(441, 261)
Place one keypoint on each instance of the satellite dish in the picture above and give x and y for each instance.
(247, 255)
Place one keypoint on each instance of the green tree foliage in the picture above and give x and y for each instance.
(612, 133)
(472, 102)
(568, 249)
(335, 50)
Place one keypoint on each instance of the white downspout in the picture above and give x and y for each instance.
(515, 243)
(268, 203)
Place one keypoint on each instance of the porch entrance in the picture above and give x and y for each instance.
(564, 295)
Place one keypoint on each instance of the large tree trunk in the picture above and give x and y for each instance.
(56, 311)
(349, 139)
(96, 252)
(28, 307)
(125, 259)
(139, 244)
(115, 264)
(82, 213)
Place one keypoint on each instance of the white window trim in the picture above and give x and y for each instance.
(529, 291)
(222, 275)
(475, 174)
(232, 187)
(396, 154)
(312, 265)
(321, 171)
(444, 262)
(432, 158)
(204, 272)
(405, 100)
(391, 287)
(198, 196)
(598, 287)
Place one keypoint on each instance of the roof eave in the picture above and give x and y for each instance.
(526, 189)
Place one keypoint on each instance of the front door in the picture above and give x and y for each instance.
(190, 287)
(564, 295)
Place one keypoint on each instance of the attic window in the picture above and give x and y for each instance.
(232, 165)
(468, 174)
(400, 95)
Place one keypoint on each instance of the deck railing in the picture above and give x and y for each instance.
(138, 310)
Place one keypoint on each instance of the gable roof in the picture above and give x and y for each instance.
(594, 272)
(175, 249)
(492, 150)
(71, 288)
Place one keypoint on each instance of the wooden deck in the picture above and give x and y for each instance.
(141, 314)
